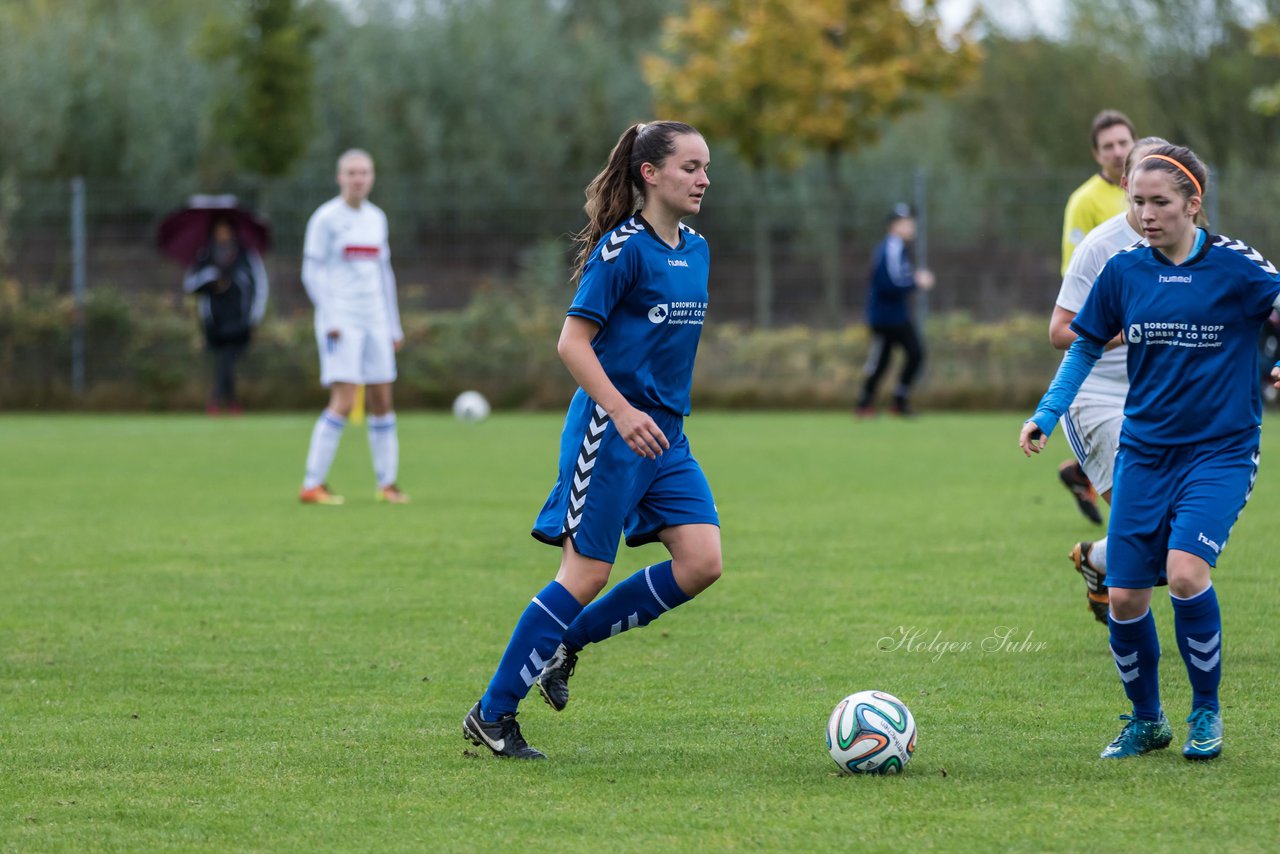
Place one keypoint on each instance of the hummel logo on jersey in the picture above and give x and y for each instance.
(613, 246)
(1210, 543)
(677, 262)
(1135, 333)
(1247, 251)
(1185, 280)
(658, 313)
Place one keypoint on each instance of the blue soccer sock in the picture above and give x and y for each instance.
(1136, 650)
(533, 642)
(1198, 624)
(635, 601)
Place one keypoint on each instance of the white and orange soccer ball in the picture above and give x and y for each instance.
(871, 732)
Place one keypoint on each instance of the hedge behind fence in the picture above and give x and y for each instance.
(148, 355)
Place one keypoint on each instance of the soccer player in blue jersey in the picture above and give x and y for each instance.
(629, 340)
(1190, 305)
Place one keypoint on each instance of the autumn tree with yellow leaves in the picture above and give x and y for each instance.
(784, 80)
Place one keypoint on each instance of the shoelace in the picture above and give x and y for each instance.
(1201, 721)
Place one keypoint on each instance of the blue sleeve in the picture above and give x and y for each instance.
(1261, 290)
(1079, 361)
(603, 284)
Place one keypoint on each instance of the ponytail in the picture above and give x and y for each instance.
(611, 197)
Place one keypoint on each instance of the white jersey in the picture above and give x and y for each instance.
(1110, 376)
(346, 268)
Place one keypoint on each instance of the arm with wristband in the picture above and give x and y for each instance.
(1080, 359)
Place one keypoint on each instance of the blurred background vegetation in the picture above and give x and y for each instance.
(487, 118)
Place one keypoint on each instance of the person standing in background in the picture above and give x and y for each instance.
(230, 285)
(893, 282)
(346, 269)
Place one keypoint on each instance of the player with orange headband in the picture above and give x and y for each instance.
(1190, 305)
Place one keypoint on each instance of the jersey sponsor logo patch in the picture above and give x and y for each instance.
(360, 253)
(658, 314)
(1184, 280)
(1177, 334)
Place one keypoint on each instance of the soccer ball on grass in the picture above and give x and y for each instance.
(871, 732)
(470, 406)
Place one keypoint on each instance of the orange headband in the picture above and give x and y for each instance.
(1185, 170)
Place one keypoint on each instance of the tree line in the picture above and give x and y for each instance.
(505, 100)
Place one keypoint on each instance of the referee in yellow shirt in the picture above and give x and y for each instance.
(1101, 197)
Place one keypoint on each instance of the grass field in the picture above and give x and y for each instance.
(191, 660)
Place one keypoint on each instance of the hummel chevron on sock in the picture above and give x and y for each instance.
(1198, 624)
(533, 642)
(1136, 650)
(635, 601)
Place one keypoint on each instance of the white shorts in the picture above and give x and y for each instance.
(361, 354)
(1092, 427)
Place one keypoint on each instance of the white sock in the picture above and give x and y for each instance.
(324, 445)
(384, 445)
(1098, 555)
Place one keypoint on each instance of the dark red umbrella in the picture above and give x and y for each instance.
(184, 232)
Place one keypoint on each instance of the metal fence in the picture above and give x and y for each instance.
(993, 239)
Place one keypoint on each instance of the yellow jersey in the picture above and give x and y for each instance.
(1093, 203)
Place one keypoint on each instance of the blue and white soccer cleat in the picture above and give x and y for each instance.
(1204, 737)
(1139, 737)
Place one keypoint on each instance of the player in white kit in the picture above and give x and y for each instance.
(1092, 423)
(346, 269)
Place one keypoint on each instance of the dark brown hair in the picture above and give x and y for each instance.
(1106, 119)
(1153, 145)
(1186, 167)
(618, 190)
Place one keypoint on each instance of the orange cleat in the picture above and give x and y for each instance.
(320, 495)
(391, 495)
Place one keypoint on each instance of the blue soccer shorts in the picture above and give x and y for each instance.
(605, 489)
(1184, 497)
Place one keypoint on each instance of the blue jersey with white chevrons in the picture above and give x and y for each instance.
(1192, 330)
(650, 300)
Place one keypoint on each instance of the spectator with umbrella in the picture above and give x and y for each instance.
(220, 244)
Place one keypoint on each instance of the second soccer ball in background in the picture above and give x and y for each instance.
(470, 406)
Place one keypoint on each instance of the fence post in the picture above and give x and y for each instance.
(77, 286)
(920, 191)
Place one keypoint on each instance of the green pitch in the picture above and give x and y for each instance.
(191, 660)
